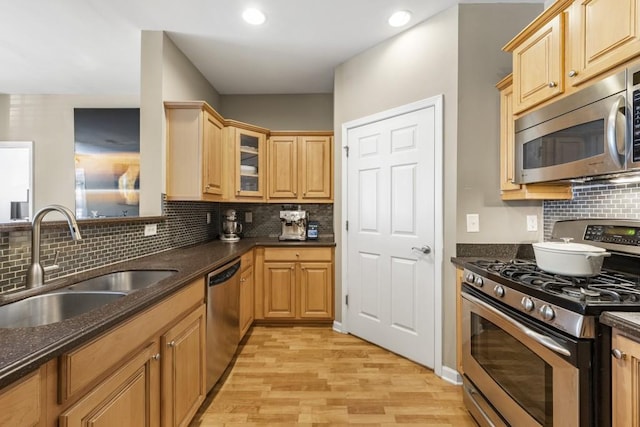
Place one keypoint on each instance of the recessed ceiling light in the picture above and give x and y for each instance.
(253, 16)
(400, 18)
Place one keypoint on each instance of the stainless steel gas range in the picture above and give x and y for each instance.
(533, 350)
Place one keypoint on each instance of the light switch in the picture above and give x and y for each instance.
(150, 229)
(473, 223)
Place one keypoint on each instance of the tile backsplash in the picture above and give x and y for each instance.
(620, 201)
(185, 223)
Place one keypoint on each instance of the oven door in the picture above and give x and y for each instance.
(525, 374)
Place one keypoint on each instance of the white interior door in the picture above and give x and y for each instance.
(391, 238)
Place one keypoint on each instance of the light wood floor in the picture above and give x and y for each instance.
(313, 376)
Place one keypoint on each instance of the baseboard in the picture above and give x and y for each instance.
(451, 375)
(337, 326)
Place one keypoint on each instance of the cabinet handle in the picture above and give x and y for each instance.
(171, 344)
(553, 84)
(292, 268)
(243, 280)
(295, 194)
(304, 193)
(297, 254)
(619, 354)
(156, 356)
(573, 73)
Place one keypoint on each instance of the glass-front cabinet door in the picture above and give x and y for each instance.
(250, 163)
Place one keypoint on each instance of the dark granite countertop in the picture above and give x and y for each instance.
(25, 349)
(627, 322)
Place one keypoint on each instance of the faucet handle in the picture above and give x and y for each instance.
(53, 266)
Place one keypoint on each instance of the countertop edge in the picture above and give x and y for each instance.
(627, 322)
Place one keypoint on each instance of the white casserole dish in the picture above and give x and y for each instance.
(569, 259)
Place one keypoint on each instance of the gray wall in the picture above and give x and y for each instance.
(456, 53)
(484, 29)
(281, 112)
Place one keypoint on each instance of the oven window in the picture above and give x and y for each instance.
(521, 373)
(565, 146)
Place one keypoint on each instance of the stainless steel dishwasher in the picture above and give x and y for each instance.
(223, 327)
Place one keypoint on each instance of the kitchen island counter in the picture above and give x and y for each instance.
(25, 349)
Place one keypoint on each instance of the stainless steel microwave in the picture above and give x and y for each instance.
(593, 133)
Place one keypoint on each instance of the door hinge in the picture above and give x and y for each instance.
(346, 150)
(346, 225)
(346, 300)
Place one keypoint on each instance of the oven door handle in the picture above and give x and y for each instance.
(549, 343)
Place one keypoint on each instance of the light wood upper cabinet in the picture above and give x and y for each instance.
(508, 189)
(625, 381)
(602, 35)
(568, 45)
(301, 167)
(247, 146)
(195, 158)
(538, 66)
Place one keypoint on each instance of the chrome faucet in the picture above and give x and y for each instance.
(35, 273)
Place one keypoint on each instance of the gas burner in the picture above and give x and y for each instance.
(580, 293)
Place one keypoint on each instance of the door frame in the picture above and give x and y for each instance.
(438, 245)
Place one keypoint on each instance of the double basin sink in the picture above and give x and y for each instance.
(78, 298)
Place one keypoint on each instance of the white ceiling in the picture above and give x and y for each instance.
(93, 46)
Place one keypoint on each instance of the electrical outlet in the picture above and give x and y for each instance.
(248, 217)
(473, 223)
(532, 223)
(150, 229)
(208, 217)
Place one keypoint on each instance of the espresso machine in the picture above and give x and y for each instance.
(230, 226)
(294, 224)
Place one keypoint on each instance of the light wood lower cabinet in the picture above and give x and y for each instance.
(183, 369)
(625, 379)
(296, 284)
(20, 403)
(148, 371)
(246, 293)
(128, 397)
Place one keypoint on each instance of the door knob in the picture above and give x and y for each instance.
(425, 249)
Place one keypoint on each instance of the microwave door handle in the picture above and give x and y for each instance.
(612, 132)
(545, 341)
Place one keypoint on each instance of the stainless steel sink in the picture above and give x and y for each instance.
(122, 281)
(52, 307)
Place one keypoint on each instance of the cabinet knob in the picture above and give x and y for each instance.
(156, 356)
(618, 354)
(171, 344)
(573, 73)
(297, 254)
(292, 268)
(243, 279)
(304, 193)
(553, 84)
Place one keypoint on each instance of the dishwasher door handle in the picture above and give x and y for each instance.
(223, 274)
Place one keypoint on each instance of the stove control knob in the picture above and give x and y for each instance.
(547, 312)
(527, 304)
(479, 282)
(470, 277)
(498, 291)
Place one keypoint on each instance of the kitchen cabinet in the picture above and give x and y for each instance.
(602, 35)
(296, 284)
(246, 293)
(21, 402)
(127, 397)
(151, 369)
(183, 369)
(625, 380)
(508, 189)
(248, 149)
(568, 45)
(459, 281)
(196, 166)
(300, 167)
(538, 66)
